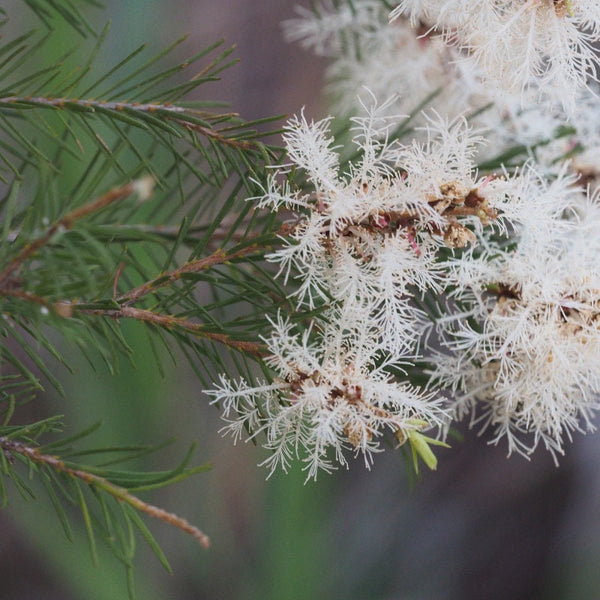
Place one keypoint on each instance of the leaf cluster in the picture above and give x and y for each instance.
(120, 199)
(72, 137)
(100, 492)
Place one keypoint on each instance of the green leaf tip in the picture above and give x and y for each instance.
(420, 446)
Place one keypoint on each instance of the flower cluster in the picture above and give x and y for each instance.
(531, 47)
(333, 393)
(364, 242)
(414, 63)
(365, 245)
(372, 233)
(401, 251)
(524, 347)
(387, 60)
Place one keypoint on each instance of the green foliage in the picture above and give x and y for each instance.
(70, 11)
(119, 200)
(68, 482)
(74, 245)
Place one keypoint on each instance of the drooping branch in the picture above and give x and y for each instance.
(10, 446)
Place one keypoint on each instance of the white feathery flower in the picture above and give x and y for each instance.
(390, 60)
(440, 172)
(371, 235)
(530, 369)
(534, 208)
(309, 148)
(393, 58)
(531, 47)
(542, 128)
(331, 396)
(337, 25)
(510, 123)
(399, 61)
(275, 194)
(530, 211)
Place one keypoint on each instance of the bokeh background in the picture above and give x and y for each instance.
(481, 527)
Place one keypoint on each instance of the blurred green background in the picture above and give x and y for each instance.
(480, 527)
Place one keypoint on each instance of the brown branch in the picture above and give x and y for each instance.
(169, 322)
(170, 112)
(215, 135)
(142, 187)
(90, 105)
(23, 295)
(121, 494)
(218, 257)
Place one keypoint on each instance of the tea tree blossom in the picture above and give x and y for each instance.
(388, 60)
(371, 233)
(332, 395)
(527, 364)
(414, 63)
(532, 47)
(365, 240)
(546, 133)
(381, 227)
(337, 26)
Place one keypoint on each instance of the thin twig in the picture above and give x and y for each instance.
(67, 222)
(23, 295)
(215, 135)
(170, 112)
(202, 264)
(48, 102)
(147, 316)
(121, 494)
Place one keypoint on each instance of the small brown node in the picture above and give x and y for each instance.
(563, 8)
(64, 309)
(559, 8)
(458, 236)
(355, 434)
